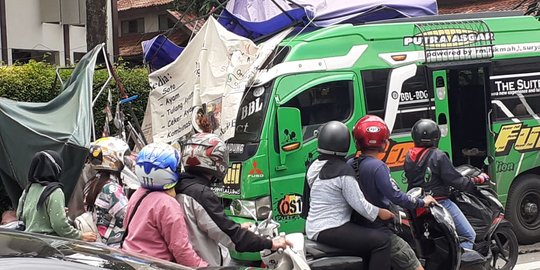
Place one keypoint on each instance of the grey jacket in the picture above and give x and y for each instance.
(333, 196)
(210, 229)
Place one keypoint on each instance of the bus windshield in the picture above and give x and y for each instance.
(251, 114)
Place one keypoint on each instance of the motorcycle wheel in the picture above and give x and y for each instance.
(504, 247)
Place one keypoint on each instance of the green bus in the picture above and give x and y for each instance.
(477, 76)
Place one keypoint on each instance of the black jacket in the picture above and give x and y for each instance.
(432, 170)
(198, 188)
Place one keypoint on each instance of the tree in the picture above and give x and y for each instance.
(96, 22)
(533, 8)
(199, 7)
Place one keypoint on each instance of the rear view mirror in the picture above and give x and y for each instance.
(289, 132)
(290, 129)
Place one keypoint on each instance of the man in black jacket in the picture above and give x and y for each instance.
(428, 167)
(211, 231)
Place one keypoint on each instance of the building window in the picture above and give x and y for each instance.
(415, 101)
(77, 56)
(322, 103)
(24, 56)
(133, 26)
(165, 22)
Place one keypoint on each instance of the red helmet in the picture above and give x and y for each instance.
(370, 132)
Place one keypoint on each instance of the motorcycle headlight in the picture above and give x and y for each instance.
(257, 209)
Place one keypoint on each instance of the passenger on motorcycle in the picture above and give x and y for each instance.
(104, 194)
(334, 194)
(211, 232)
(428, 167)
(42, 204)
(371, 137)
(154, 221)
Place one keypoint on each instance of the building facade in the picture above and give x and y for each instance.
(141, 20)
(43, 30)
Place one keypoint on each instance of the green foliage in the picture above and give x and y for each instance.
(199, 7)
(35, 82)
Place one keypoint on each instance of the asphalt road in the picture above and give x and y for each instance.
(529, 257)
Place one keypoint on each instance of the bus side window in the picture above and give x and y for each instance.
(524, 100)
(415, 102)
(322, 103)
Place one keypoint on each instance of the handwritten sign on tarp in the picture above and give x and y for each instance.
(212, 61)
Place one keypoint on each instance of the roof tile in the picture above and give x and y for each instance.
(474, 6)
(190, 21)
(130, 45)
(131, 4)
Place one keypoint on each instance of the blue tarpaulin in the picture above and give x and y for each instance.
(256, 18)
(159, 52)
(259, 18)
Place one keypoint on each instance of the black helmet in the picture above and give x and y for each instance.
(334, 139)
(426, 133)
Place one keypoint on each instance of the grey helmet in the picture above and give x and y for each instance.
(334, 139)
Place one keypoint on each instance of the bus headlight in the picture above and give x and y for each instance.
(257, 209)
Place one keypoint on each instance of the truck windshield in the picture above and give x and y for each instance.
(251, 114)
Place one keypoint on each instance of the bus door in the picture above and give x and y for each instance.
(461, 97)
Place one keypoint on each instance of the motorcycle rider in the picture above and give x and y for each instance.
(428, 167)
(104, 195)
(334, 194)
(205, 160)
(371, 137)
(154, 221)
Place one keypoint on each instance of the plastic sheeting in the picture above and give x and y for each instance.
(63, 124)
(256, 18)
(159, 52)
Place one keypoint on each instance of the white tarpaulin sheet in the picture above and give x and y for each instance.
(214, 70)
(212, 64)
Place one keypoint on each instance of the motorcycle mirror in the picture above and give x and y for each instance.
(415, 192)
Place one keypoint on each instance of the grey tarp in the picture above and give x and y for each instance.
(62, 124)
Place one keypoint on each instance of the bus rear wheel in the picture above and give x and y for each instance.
(523, 208)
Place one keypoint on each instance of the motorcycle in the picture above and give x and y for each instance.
(436, 242)
(430, 231)
(304, 253)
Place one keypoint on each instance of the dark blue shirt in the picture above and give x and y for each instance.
(377, 186)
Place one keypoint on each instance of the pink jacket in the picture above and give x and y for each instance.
(158, 229)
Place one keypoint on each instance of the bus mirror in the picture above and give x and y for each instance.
(290, 129)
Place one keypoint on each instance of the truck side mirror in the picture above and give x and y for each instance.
(289, 131)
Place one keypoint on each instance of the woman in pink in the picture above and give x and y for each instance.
(154, 220)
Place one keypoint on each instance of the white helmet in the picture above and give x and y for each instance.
(108, 153)
(206, 152)
(156, 166)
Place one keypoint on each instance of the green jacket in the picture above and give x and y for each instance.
(49, 220)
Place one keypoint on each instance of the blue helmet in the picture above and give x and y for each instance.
(156, 166)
